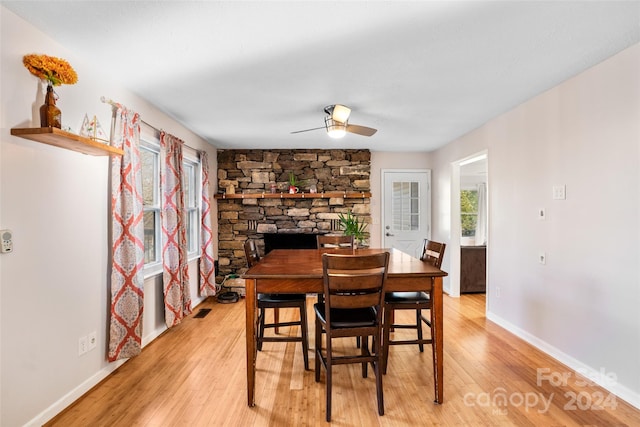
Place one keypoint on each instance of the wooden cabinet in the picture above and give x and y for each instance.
(473, 269)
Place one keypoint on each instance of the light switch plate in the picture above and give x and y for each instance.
(559, 192)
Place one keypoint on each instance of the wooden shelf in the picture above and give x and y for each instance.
(327, 195)
(68, 140)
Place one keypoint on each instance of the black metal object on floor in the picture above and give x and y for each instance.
(228, 297)
(202, 313)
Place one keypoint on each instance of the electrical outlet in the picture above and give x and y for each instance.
(82, 345)
(497, 291)
(93, 340)
(542, 258)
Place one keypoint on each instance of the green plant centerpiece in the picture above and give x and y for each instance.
(351, 225)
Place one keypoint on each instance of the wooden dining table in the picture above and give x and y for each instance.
(300, 271)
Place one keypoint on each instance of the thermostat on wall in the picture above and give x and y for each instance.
(7, 241)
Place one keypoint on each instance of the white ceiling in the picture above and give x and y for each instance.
(245, 74)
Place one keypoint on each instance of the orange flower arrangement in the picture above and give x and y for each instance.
(56, 71)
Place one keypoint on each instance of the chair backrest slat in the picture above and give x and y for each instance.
(327, 241)
(355, 301)
(358, 281)
(251, 252)
(433, 252)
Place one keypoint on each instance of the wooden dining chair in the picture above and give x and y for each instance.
(334, 241)
(278, 301)
(433, 253)
(354, 294)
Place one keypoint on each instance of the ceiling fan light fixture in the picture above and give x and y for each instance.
(340, 113)
(335, 129)
(336, 123)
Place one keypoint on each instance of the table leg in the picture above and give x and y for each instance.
(436, 321)
(251, 338)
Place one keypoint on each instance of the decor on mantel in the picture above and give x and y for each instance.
(293, 183)
(310, 195)
(55, 71)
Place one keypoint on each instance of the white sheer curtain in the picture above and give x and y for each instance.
(481, 224)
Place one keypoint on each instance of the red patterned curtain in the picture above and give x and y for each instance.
(177, 297)
(127, 279)
(207, 267)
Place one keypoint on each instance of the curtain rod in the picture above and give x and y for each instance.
(116, 104)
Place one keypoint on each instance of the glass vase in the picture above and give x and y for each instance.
(50, 115)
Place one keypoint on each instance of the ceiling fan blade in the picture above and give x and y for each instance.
(307, 130)
(361, 130)
(340, 113)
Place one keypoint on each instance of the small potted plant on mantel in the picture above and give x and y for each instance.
(352, 226)
(293, 183)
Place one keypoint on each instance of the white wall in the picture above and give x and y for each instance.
(582, 307)
(54, 287)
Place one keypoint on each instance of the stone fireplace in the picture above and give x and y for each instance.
(341, 178)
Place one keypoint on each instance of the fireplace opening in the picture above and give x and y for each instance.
(289, 241)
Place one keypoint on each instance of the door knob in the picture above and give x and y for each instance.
(388, 234)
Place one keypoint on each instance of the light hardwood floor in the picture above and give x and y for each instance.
(194, 375)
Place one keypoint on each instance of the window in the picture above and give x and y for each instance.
(152, 203)
(191, 182)
(469, 212)
(405, 205)
(150, 157)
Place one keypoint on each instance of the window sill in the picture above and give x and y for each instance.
(156, 269)
(152, 271)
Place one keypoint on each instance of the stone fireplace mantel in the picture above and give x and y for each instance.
(341, 178)
(323, 195)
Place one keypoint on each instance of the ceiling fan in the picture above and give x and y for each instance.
(337, 123)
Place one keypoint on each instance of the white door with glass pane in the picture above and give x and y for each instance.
(406, 215)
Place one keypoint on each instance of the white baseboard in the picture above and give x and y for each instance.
(91, 382)
(147, 339)
(630, 396)
(73, 395)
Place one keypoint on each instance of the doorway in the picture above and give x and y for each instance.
(406, 216)
(469, 224)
